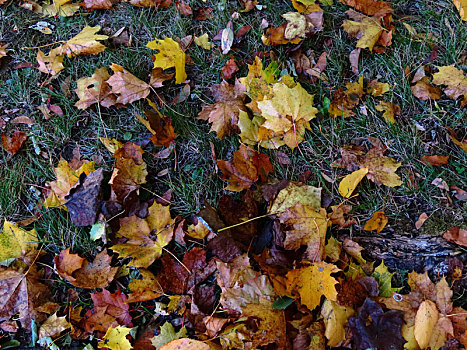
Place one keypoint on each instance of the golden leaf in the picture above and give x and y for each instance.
(15, 241)
(170, 55)
(425, 321)
(115, 339)
(351, 181)
(84, 43)
(377, 222)
(462, 7)
(312, 282)
(53, 326)
(95, 90)
(147, 288)
(390, 111)
(51, 63)
(455, 80)
(335, 317)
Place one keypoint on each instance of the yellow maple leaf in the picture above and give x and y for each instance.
(84, 43)
(287, 113)
(351, 181)
(94, 89)
(115, 339)
(312, 282)
(146, 237)
(63, 8)
(390, 111)
(455, 81)
(67, 178)
(51, 63)
(16, 241)
(170, 55)
(147, 288)
(368, 31)
(203, 41)
(381, 169)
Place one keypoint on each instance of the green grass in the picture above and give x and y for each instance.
(193, 175)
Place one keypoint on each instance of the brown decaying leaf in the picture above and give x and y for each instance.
(245, 169)
(129, 172)
(128, 87)
(457, 141)
(456, 235)
(435, 160)
(229, 70)
(13, 143)
(99, 4)
(109, 310)
(95, 90)
(224, 113)
(370, 7)
(81, 273)
(183, 8)
(424, 90)
(159, 125)
(203, 13)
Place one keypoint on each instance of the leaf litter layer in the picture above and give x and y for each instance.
(268, 262)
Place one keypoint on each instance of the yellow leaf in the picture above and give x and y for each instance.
(287, 113)
(425, 321)
(147, 288)
(198, 231)
(167, 334)
(390, 111)
(335, 317)
(146, 237)
(462, 7)
(85, 43)
(455, 80)
(170, 55)
(407, 333)
(351, 181)
(52, 63)
(15, 241)
(377, 222)
(381, 169)
(312, 282)
(186, 344)
(203, 41)
(67, 178)
(297, 25)
(115, 339)
(295, 194)
(112, 145)
(61, 8)
(368, 31)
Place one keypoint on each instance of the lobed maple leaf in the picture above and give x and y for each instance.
(344, 101)
(95, 89)
(52, 63)
(224, 113)
(53, 326)
(245, 169)
(170, 55)
(115, 339)
(159, 125)
(81, 273)
(85, 42)
(13, 143)
(455, 81)
(146, 288)
(312, 282)
(16, 242)
(146, 237)
(129, 172)
(128, 87)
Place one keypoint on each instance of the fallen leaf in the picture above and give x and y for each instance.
(129, 172)
(455, 82)
(81, 273)
(110, 309)
(440, 183)
(183, 8)
(170, 55)
(203, 41)
(312, 282)
(381, 169)
(343, 101)
(115, 339)
(421, 220)
(424, 90)
(335, 317)
(384, 279)
(98, 4)
(16, 242)
(157, 77)
(84, 200)
(146, 288)
(462, 7)
(13, 143)
(224, 113)
(370, 7)
(53, 326)
(340, 216)
(22, 119)
(159, 125)
(167, 334)
(351, 181)
(84, 43)
(353, 58)
(95, 90)
(368, 30)
(229, 70)
(185, 343)
(128, 87)
(435, 160)
(52, 63)
(390, 111)
(377, 222)
(146, 237)
(425, 321)
(296, 193)
(454, 138)
(456, 235)
(245, 169)
(377, 89)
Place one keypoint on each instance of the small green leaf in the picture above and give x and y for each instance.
(282, 302)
